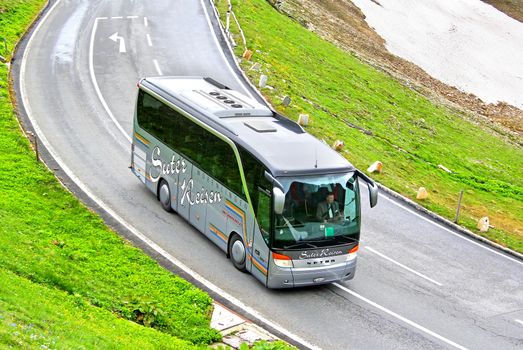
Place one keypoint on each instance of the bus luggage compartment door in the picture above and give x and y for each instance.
(197, 199)
(138, 162)
(186, 184)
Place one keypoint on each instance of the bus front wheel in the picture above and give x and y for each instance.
(164, 195)
(237, 252)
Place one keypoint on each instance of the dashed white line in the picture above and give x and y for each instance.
(157, 67)
(117, 17)
(149, 42)
(401, 318)
(402, 266)
(132, 17)
(145, 22)
(450, 231)
(103, 17)
(518, 321)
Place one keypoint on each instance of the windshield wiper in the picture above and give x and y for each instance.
(300, 245)
(345, 239)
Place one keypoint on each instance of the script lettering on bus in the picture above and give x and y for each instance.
(177, 166)
(202, 197)
(320, 254)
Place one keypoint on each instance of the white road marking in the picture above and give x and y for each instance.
(132, 17)
(149, 42)
(103, 17)
(157, 67)
(402, 266)
(117, 17)
(450, 231)
(115, 37)
(518, 321)
(133, 230)
(95, 83)
(218, 46)
(145, 22)
(401, 318)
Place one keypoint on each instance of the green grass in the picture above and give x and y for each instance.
(36, 317)
(410, 134)
(49, 237)
(262, 345)
(14, 15)
(56, 245)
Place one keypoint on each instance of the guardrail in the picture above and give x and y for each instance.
(228, 33)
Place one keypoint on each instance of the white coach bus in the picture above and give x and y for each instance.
(280, 203)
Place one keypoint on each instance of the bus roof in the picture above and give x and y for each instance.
(279, 143)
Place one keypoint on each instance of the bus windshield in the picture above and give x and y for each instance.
(319, 211)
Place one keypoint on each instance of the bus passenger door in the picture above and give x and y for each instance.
(261, 229)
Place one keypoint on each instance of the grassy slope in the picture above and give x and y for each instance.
(49, 238)
(13, 20)
(411, 135)
(33, 316)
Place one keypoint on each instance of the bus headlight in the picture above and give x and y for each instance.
(282, 260)
(353, 253)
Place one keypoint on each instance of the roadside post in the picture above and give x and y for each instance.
(459, 207)
(35, 142)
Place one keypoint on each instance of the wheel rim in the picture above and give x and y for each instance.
(164, 194)
(238, 252)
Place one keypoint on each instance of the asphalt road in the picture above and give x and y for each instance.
(418, 285)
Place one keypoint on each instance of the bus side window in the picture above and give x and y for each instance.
(254, 175)
(147, 111)
(263, 213)
(220, 161)
(212, 154)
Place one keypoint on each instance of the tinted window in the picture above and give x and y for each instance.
(263, 213)
(254, 172)
(209, 152)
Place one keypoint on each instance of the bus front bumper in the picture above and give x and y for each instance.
(310, 276)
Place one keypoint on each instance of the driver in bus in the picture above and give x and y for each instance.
(328, 210)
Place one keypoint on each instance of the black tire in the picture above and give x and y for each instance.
(238, 253)
(164, 195)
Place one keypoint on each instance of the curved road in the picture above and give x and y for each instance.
(418, 284)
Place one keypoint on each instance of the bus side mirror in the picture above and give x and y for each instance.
(373, 188)
(279, 200)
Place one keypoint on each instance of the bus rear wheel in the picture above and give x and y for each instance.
(238, 253)
(164, 195)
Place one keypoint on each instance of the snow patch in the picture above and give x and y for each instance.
(464, 43)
